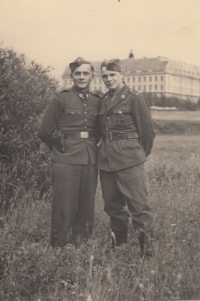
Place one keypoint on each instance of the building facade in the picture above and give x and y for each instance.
(158, 76)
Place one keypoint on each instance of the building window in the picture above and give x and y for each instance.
(150, 78)
(138, 87)
(161, 78)
(100, 80)
(94, 80)
(133, 87)
(127, 79)
(139, 78)
(133, 78)
(155, 87)
(144, 88)
(144, 78)
(156, 78)
(149, 87)
(161, 87)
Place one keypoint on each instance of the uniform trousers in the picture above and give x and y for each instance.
(74, 188)
(126, 189)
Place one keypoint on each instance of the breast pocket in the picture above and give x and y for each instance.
(121, 117)
(72, 116)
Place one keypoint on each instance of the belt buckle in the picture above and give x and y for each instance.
(84, 134)
(109, 136)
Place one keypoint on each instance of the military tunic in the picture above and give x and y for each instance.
(121, 161)
(74, 166)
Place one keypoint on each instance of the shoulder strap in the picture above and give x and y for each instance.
(134, 92)
(96, 94)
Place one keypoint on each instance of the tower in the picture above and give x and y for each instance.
(131, 55)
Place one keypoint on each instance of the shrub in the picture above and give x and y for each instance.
(163, 101)
(25, 90)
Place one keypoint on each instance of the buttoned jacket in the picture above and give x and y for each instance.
(128, 112)
(71, 111)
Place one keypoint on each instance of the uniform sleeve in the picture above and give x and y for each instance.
(50, 121)
(142, 116)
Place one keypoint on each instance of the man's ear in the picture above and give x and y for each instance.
(122, 74)
(92, 76)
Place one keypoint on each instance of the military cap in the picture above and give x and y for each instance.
(77, 63)
(112, 65)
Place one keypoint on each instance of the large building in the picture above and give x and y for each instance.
(159, 76)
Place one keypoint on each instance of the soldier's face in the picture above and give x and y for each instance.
(82, 76)
(112, 79)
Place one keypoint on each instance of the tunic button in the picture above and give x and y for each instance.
(108, 118)
(123, 96)
(72, 112)
(85, 104)
(85, 119)
(81, 95)
(85, 127)
(85, 112)
(120, 112)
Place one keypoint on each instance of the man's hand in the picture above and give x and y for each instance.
(59, 140)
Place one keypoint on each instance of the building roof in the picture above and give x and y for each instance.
(150, 65)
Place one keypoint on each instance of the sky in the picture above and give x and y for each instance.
(56, 32)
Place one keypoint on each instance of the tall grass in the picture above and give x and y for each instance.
(31, 270)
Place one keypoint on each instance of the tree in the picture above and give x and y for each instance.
(25, 90)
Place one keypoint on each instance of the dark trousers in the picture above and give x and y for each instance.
(74, 188)
(124, 189)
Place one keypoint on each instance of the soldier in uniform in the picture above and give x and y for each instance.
(127, 139)
(70, 129)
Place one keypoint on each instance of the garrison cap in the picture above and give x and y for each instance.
(77, 63)
(113, 65)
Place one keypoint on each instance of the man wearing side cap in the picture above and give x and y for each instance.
(70, 129)
(127, 139)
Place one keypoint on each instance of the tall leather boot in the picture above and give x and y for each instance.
(145, 240)
(118, 238)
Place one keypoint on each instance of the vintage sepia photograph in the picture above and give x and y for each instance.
(99, 150)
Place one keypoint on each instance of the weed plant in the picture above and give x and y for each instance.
(31, 270)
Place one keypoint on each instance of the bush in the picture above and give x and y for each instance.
(25, 90)
(163, 101)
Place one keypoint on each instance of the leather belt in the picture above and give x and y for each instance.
(109, 136)
(78, 135)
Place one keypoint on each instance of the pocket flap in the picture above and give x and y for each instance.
(121, 111)
(72, 112)
(93, 112)
(131, 143)
(102, 112)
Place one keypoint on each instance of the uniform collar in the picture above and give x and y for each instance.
(79, 92)
(121, 94)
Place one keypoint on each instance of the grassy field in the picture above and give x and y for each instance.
(176, 122)
(30, 270)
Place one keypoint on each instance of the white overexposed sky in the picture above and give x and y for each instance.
(55, 32)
